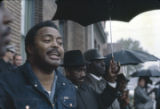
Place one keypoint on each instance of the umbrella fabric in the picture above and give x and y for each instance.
(146, 73)
(130, 57)
(87, 12)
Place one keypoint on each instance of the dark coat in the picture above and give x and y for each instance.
(21, 88)
(5, 67)
(86, 98)
(97, 86)
(104, 92)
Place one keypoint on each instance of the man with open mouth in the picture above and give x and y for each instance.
(38, 84)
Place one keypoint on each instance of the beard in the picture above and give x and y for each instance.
(98, 70)
(43, 62)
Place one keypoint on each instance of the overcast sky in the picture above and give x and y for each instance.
(145, 28)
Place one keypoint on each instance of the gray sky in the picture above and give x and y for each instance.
(145, 28)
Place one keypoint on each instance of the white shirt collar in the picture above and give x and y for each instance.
(96, 77)
(112, 84)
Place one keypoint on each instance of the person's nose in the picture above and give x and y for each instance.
(54, 44)
(83, 74)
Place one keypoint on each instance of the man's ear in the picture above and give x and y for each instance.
(30, 50)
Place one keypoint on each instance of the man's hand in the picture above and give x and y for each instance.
(114, 69)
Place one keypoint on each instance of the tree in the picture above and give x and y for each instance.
(130, 44)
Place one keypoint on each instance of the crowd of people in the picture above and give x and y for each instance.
(85, 81)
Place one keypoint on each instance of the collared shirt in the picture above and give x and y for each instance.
(114, 85)
(22, 88)
(96, 77)
(53, 88)
(51, 95)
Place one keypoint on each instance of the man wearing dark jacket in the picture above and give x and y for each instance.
(37, 84)
(75, 67)
(95, 71)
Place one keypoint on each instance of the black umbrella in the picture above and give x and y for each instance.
(130, 57)
(87, 12)
(146, 73)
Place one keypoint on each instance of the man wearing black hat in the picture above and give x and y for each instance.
(95, 71)
(75, 67)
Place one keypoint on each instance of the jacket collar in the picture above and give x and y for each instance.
(32, 79)
(96, 77)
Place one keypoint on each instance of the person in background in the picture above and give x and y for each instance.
(124, 97)
(96, 69)
(7, 60)
(74, 66)
(75, 70)
(5, 30)
(111, 75)
(17, 60)
(141, 97)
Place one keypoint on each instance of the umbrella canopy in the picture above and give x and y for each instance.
(130, 57)
(87, 12)
(146, 73)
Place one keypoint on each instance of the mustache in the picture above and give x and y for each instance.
(54, 50)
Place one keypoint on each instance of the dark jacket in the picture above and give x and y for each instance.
(21, 88)
(104, 92)
(86, 98)
(97, 86)
(5, 67)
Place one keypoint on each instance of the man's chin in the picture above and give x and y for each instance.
(55, 64)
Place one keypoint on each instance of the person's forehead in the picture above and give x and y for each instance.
(49, 30)
(98, 61)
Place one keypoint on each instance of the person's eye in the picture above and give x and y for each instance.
(60, 43)
(46, 41)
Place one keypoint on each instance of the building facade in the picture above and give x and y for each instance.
(75, 36)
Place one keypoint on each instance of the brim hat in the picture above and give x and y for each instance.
(73, 58)
(93, 54)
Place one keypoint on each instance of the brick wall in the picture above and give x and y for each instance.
(14, 6)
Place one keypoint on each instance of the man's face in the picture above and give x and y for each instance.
(48, 47)
(18, 60)
(76, 74)
(5, 20)
(99, 67)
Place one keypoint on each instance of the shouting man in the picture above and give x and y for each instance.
(37, 84)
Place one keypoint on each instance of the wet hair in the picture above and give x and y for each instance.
(30, 37)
